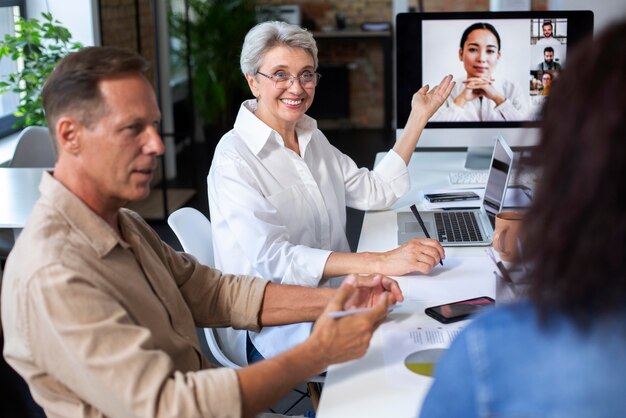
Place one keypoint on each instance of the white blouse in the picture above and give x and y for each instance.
(279, 215)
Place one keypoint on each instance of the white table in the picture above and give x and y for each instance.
(365, 387)
(19, 190)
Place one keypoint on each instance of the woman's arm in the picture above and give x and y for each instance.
(417, 255)
(423, 105)
(516, 106)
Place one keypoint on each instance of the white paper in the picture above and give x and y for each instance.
(399, 344)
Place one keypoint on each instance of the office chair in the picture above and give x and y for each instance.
(34, 150)
(193, 230)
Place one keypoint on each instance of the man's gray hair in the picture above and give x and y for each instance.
(267, 35)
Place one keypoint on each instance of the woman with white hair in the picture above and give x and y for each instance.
(278, 189)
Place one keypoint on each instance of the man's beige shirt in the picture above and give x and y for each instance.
(100, 325)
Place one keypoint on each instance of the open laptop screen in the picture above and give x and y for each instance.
(498, 179)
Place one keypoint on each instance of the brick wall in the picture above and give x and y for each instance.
(364, 59)
(322, 12)
(119, 27)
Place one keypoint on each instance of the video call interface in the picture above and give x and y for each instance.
(529, 57)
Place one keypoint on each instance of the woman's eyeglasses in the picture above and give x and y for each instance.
(283, 80)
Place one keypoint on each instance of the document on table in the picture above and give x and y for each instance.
(410, 354)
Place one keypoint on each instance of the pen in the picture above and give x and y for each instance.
(341, 314)
(500, 266)
(421, 222)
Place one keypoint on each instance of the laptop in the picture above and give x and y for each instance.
(465, 227)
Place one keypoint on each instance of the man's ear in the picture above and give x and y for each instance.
(252, 83)
(68, 132)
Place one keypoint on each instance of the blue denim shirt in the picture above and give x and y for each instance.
(504, 364)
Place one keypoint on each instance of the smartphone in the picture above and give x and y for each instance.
(457, 311)
(450, 197)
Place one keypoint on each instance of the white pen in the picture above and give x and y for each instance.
(341, 314)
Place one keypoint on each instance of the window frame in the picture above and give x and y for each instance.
(7, 121)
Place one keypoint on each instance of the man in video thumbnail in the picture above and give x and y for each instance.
(549, 63)
(548, 34)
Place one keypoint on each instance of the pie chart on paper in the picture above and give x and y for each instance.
(423, 362)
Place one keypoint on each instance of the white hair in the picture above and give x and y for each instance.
(267, 35)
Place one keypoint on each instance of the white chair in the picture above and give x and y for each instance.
(193, 230)
(34, 149)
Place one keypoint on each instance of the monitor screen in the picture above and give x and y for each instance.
(503, 64)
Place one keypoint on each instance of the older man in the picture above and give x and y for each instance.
(99, 313)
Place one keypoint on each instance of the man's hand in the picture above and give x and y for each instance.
(342, 339)
(368, 290)
(333, 340)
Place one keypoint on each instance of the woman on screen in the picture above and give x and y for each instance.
(278, 189)
(481, 96)
(561, 351)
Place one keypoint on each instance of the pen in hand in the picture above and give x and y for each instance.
(341, 314)
(421, 222)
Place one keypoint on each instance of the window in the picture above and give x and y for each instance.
(10, 10)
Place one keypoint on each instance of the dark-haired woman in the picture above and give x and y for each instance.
(480, 96)
(562, 352)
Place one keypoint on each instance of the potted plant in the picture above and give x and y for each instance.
(36, 46)
(216, 30)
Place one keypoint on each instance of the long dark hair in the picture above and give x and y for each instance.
(575, 231)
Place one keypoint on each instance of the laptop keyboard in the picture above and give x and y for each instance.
(457, 227)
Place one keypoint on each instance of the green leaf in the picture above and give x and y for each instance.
(39, 45)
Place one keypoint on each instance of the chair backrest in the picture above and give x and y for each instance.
(34, 149)
(193, 230)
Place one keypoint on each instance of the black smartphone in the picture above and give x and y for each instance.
(450, 197)
(457, 311)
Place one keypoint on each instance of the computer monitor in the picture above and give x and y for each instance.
(519, 50)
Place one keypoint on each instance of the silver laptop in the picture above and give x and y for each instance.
(465, 227)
